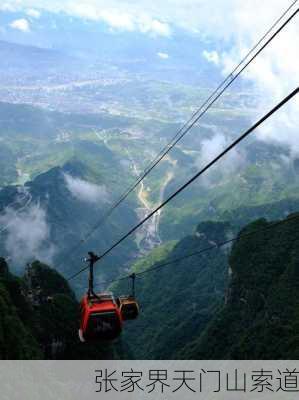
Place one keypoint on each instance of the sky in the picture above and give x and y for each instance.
(221, 18)
(237, 22)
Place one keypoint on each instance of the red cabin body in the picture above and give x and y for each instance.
(101, 318)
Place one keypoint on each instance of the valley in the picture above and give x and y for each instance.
(110, 151)
(147, 237)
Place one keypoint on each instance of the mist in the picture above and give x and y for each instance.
(27, 236)
(211, 148)
(86, 191)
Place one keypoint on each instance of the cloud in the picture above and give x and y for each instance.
(152, 26)
(211, 148)
(21, 25)
(119, 18)
(163, 56)
(7, 7)
(115, 20)
(27, 235)
(194, 15)
(86, 191)
(123, 16)
(211, 56)
(274, 73)
(31, 12)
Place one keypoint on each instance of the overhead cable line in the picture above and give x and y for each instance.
(197, 175)
(202, 251)
(217, 93)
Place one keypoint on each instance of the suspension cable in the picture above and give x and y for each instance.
(197, 175)
(199, 113)
(202, 251)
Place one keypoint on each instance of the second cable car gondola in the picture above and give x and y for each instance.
(129, 308)
(101, 319)
(128, 305)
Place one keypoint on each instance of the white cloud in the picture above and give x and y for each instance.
(119, 18)
(147, 24)
(274, 72)
(124, 16)
(21, 25)
(7, 7)
(31, 12)
(211, 148)
(86, 191)
(117, 21)
(211, 56)
(27, 235)
(163, 56)
(114, 18)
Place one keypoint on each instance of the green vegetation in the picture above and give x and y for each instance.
(70, 218)
(260, 318)
(40, 317)
(16, 338)
(254, 186)
(178, 301)
(195, 309)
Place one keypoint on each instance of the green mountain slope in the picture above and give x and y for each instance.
(239, 303)
(68, 218)
(260, 319)
(16, 338)
(178, 301)
(267, 174)
(224, 304)
(39, 317)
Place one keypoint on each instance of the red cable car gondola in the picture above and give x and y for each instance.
(101, 319)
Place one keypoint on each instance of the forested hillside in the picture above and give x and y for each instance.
(39, 317)
(228, 303)
(222, 304)
(260, 319)
(16, 338)
(47, 216)
(179, 300)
